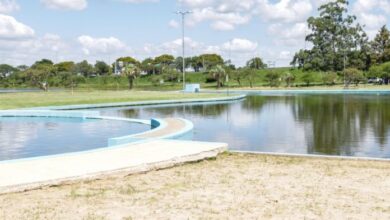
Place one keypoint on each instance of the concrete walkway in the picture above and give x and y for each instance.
(21, 175)
(173, 125)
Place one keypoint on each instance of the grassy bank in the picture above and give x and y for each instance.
(37, 99)
(232, 186)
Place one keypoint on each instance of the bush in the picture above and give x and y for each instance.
(329, 79)
(289, 78)
(353, 75)
(273, 78)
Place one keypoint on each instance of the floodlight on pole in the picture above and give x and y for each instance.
(183, 14)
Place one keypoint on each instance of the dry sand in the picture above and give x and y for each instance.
(234, 186)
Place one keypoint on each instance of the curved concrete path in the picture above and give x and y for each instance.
(27, 174)
(172, 126)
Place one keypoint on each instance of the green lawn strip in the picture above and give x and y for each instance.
(41, 99)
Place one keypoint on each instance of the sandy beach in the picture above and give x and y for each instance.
(233, 186)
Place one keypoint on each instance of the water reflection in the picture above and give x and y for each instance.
(356, 125)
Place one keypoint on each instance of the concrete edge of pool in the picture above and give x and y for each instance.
(314, 156)
(131, 154)
(301, 91)
(128, 159)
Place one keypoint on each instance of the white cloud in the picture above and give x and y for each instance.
(220, 21)
(285, 10)
(285, 55)
(240, 45)
(372, 21)
(288, 34)
(10, 28)
(28, 50)
(108, 45)
(175, 46)
(364, 6)
(226, 15)
(173, 24)
(54, 42)
(7, 6)
(372, 14)
(65, 4)
(222, 26)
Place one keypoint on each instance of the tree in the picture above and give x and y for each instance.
(39, 75)
(170, 74)
(380, 71)
(289, 78)
(218, 73)
(338, 40)
(22, 67)
(67, 66)
(69, 79)
(179, 63)
(196, 63)
(148, 66)
(300, 58)
(273, 78)
(210, 60)
(164, 60)
(128, 60)
(84, 68)
(6, 70)
(43, 62)
(329, 78)
(237, 75)
(131, 71)
(256, 63)
(380, 46)
(102, 68)
(251, 75)
(353, 75)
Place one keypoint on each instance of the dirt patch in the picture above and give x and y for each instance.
(232, 186)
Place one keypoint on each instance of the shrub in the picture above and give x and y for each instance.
(273, 78)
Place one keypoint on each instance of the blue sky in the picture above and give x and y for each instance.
(106, 29)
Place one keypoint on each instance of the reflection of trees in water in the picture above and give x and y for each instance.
(129, 113)
(338, 124)
(200, 110)
(254, 104)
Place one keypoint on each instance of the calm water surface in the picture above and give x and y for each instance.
(348, 125)
(29, 137)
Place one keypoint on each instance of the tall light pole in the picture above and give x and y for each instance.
(183, 15)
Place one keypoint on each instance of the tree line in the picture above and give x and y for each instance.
(340, 45)
(45, 73)
(340, 51)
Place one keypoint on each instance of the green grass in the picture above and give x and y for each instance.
(38, 99)
(260, 81)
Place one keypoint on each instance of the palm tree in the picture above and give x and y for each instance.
(256, 63)
(218, 73)
(131, 71)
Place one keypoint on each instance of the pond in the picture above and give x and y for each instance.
(323, 124)
(24, 137)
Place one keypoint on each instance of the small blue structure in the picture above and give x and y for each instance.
(192, 88)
